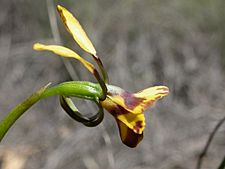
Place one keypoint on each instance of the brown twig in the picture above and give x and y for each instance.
(205, 150)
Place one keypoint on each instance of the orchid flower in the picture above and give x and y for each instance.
(127, 108)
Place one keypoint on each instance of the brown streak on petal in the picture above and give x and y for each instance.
(164, 89)
(163, 93)
(137, 126)
(63, 19)
(130, 100)
(150, 103)
(118, 110)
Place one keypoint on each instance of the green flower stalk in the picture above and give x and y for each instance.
(15, 113)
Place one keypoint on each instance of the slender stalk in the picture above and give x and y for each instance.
(16, 112)
(102, 69)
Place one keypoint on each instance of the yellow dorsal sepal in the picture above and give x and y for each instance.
(75, 29)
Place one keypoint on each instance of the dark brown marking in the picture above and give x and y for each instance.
(150, 102)
(118, 110)
(164, 89)
(138, 126)
(60, 11)
(130, 100)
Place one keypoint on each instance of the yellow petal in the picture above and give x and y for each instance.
(150, 96)
(136, 122)
(131, 126)
(127, 135)
(128, 101)
(152, 92)
(75, 29)
(65, 52)
(137, 103)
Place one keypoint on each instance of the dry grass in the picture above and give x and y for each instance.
(142, 43)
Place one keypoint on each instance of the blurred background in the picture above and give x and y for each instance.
(142, 43)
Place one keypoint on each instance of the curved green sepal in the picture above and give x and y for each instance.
(69, 107)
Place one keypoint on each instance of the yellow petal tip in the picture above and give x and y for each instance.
(163, 90)
(37, 46)
(59, 7)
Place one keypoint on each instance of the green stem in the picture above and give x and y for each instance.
(81, 89)
(16, 112)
